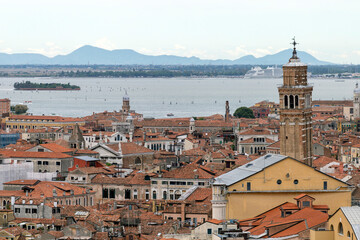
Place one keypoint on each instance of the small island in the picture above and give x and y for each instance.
(45, 86)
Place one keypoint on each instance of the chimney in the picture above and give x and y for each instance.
(144, 136)
(131, 135)
(341, 168)
(54, 193)
(27, 193)
(182, 211)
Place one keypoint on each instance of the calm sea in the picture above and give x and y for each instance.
(156, 97)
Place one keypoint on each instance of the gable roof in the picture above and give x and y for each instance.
(248, 169)
(256, 166)
(133, 148)
(298, 221)
(56, 147)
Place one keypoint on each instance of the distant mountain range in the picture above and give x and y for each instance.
(94, 55)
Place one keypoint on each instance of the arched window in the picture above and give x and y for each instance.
(286, 101)
(177, 194)
(127, 194)
(296, 101)
(251, 150)
(348, 234)
(291, 101)
(164, 195)
(137, 161)
(154, 194)
(331, 227)
(340, 229)
(135, 194)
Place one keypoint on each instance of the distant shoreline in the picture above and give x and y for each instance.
(45, 89)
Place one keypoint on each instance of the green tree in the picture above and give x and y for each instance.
(244, 112)
(19, 109)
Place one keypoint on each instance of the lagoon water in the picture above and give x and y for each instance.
(156, 97)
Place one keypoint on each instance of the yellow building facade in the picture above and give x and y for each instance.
(344, 224)
(35, 122)
(270, 181)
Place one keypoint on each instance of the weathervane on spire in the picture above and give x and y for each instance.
(294, 56)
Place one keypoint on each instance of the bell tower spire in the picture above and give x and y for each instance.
(294, 43)
(295, 111)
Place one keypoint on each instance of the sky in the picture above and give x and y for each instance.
(221, 29)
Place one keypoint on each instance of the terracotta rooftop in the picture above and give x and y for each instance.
(256, 131)
(22, 182)
(49, 118)
(252, 140)
(201, 195)
(275, 145)
(129, 148)
(56, 147)
(190, 171)
(22, 154)
(283, 226)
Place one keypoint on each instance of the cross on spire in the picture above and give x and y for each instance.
(294, 43)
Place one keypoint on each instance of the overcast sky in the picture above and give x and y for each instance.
(203, 28)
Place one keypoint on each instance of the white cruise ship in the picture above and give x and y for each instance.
(269, 72)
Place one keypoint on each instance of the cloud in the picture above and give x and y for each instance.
(312, 52)
(50, 50)
(357, 52)
(238, 51)
(259, 52)
(105, 43)
(177, 50)
(6, 50)
(343, 56)
(179, 47)
(242, 50)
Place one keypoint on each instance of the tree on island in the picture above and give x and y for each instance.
(19, 109)
(244, 112)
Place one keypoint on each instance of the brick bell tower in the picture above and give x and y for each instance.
(295, 111)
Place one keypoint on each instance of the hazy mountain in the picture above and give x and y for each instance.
(280, 58)
(93, 55)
